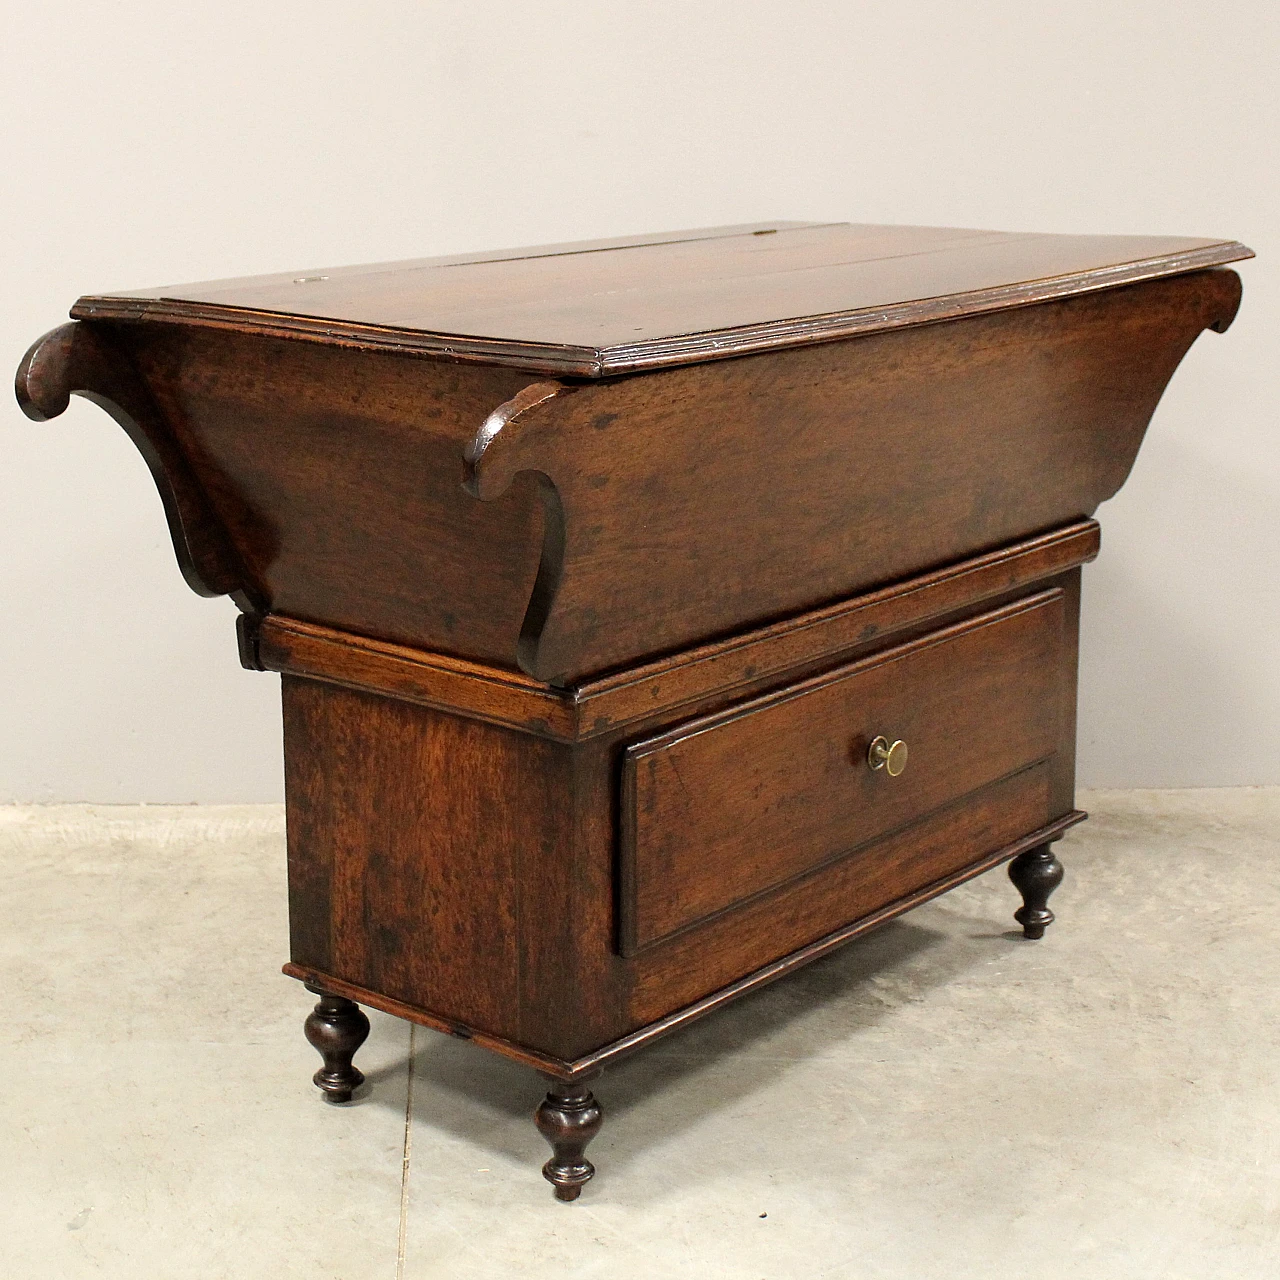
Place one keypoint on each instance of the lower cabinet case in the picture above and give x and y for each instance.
(565, 896)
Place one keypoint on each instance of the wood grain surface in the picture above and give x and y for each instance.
(630, 519)
(644, 302)
(407, 832)
(467, 869)
(699, 500)
(338, 479)
(751, 660)
(728, 806)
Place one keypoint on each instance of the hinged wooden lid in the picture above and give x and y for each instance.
(599, 308)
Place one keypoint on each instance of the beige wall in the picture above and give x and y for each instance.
(150, 143)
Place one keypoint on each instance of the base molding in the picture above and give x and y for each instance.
(566, 1069)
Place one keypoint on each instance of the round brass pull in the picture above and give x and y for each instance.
(886, 755)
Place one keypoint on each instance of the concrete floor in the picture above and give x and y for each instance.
(941, 1099)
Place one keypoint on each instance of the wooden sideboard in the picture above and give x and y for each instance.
(654, 615)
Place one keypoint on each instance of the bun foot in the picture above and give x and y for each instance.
(1035, 874)
(568, 1117)
(336, 1028)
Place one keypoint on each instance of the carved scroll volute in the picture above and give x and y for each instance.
(80, 359)
(510, 441)
(1224, 300)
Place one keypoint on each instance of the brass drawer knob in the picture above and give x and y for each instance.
(886, 755)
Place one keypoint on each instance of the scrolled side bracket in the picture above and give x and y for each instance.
(499, 451)
(1229, 299)
(80, 359)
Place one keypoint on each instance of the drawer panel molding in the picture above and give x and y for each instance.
(726, 807)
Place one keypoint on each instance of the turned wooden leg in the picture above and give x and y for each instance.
(1035, 874)
(569, 1117)
(336, 1027)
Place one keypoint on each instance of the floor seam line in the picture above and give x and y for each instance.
(405, 1157)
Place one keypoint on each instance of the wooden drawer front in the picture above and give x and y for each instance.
(731, 805)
